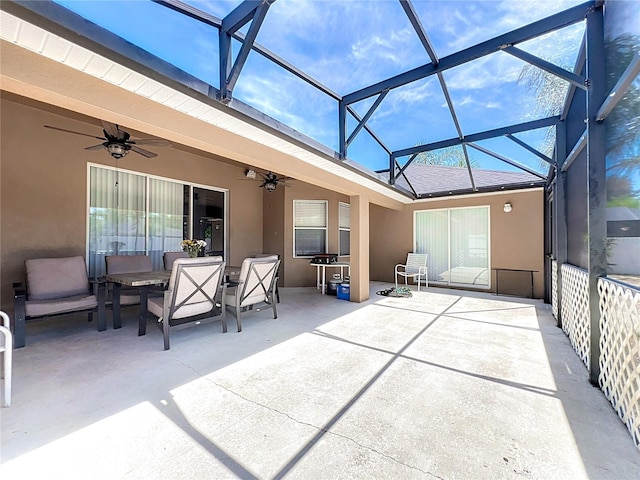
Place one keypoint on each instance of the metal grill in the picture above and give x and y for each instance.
(575, 310)
(554, 288)
(620, 352)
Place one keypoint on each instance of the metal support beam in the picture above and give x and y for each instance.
(366, 117)
(191, 11)
(417, 26)
(596, 183)
(213, 21)
(402, 169)
(533, 30)
(258, 18)
(342, 129)
(506, 160)
(369, 131)
(426, 43)
(476, 137)
(466, 159)
(249, 10)
(572, 78)
(226, 62)
(528, 147)
(575, 151)
(620, 88)
(578, 67)
(241, 15)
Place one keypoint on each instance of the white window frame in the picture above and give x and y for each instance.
(296, 227)
(148, 177)
(344, 225)
(418, 248)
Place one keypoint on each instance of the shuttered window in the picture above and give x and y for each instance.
(310, 227)
(344, 225)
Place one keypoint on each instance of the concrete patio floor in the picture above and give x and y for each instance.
(445, 384)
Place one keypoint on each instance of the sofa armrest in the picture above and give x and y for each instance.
(19, 289)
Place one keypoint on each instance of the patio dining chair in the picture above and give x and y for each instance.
(195, 292)
(170, 257)
(128, 264)
(56, 286)
(262, 255)
(414, 268)
(256, 285)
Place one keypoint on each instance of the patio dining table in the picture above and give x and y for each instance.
(144, 281)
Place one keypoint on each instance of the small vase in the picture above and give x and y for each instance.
(193, 253)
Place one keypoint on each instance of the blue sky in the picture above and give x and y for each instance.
(347, 45)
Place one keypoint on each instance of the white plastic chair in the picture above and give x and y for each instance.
(7, 352)
(415, 268)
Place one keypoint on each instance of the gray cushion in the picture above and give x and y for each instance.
(37, 308)
(154, 305)
(128, 263)
(170, 257)
(51, 278)
(129, 298)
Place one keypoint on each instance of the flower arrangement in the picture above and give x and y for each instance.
(193, 247)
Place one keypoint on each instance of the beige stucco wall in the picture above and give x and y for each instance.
(43, 189)
(298, 272)
(517, 238)
(273, 227)
(43, 200)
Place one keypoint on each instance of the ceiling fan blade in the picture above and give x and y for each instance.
(71, 131)
(143, 152)
(158, 142)
(95, 147)
(111, 129)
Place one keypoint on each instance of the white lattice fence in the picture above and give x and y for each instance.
(554, 288)
(620, 351)
(575, 310)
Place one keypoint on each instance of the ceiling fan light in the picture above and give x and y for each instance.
(270, 186)
(116, 150)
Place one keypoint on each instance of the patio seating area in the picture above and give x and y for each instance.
(443, 384)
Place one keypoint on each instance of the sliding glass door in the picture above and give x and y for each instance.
(457, 242)
(136, 214)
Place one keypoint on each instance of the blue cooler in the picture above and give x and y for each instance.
(343, 291)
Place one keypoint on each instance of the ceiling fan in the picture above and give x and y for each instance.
(118, 142)
(269, 180)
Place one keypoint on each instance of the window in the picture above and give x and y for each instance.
(344, 225)
(457, 241)
(136, 214)
(309, 227)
